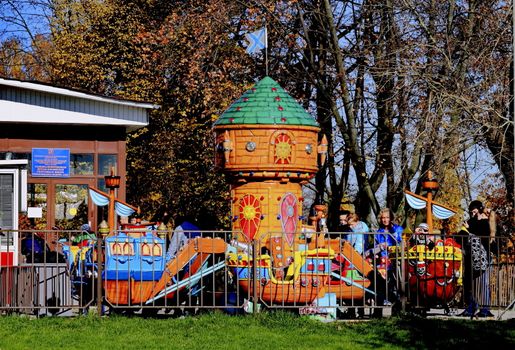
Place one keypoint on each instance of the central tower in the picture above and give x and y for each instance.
(267, 145)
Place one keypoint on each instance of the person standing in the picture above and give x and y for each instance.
(360, 230)
(389, 234)
(358, 233)
(481, 231)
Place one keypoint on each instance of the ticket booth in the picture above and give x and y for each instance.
(13, 200)
(54, 143)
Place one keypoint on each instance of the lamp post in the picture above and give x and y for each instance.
(112, 181)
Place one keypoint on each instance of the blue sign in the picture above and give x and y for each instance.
(50, 162)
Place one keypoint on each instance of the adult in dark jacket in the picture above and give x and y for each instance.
(481, 234)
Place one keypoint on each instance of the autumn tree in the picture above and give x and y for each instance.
(382, 77)
(24, 40)
(399, 87)
(183, 58)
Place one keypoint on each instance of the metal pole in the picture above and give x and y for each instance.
(429, 214)
(254, 276)
(111, 217)
(100, 262)
(266, 50)
(402, 275)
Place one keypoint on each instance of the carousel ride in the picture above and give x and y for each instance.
(268, 147)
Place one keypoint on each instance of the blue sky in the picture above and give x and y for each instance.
(22, 18)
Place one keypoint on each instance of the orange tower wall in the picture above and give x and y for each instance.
(267, 217)
(278, 151)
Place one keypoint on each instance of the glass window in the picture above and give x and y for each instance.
(37, 197)
(101, 185)
(71, 206)
(6, 201)
(106, 162)
(102, 212)
(81, 164)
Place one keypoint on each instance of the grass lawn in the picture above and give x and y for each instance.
(277, 330)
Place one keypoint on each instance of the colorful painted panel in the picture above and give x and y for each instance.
(250, 215)
(289, 215)
(283, 149)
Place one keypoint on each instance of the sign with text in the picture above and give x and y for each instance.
(50, 162)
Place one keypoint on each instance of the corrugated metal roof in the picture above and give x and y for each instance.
(42, 87)
(29, 102)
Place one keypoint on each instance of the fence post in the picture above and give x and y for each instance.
(254, 276)
(100, 262)
(402, 276)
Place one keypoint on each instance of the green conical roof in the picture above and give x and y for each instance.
(266, 103)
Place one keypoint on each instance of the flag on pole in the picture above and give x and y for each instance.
(256, 41)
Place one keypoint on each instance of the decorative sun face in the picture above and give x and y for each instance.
(250, 215)
(283, 149)
(249, 212)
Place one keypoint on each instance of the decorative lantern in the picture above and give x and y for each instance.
(112, 181)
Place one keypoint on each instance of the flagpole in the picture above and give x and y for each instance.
(266, 50)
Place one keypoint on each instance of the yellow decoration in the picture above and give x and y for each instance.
(249, 212)
(73, 211)
(282, 150)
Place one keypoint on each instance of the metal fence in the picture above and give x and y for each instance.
(66, 273)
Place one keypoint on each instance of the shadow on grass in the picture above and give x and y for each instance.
(420, 333)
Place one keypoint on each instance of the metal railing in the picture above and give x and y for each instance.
(134, 272)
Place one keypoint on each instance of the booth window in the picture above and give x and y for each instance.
(37, 197)
(106, 162)
(71, 206)
(81, 164)
(6, 200)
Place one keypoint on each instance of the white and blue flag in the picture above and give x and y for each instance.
(256, 41)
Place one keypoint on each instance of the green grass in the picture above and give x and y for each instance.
(278, 330)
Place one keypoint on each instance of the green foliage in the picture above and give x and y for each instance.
(94, 49)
